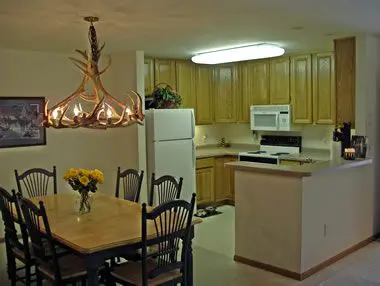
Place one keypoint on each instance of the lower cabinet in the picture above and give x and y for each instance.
(215, 183)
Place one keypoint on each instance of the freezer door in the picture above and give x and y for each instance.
(170, 124)
(177, 158)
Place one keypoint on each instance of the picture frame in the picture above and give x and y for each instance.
(21, 122)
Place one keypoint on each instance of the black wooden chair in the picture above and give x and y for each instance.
(36, 181)
(131, 182)
(60, 270)
(172, 221)
(15, 249)
(166, 187)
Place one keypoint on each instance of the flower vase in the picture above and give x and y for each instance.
(85, 202)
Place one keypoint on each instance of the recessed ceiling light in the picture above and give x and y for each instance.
(259, 51)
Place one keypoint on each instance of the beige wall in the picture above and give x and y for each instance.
(313, 136)
(53, 76)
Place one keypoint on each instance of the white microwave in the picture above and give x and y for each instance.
(270, 117)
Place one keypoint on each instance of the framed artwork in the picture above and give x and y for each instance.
(21, 121)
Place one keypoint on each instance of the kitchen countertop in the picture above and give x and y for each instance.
(305, 170)
(215, 151)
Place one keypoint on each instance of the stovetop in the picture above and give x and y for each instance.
(267, 153)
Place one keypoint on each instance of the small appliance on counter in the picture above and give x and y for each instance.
(360, 143)
(271, 148)
(343, 135)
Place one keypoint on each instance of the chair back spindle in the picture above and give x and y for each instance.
(172, 221)
(36, 181)
(131, 181)
(166, 188)
(42, 240)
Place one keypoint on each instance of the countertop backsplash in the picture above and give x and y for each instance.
(313, 136)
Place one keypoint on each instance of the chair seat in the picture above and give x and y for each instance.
(71, 266)
(131, 272)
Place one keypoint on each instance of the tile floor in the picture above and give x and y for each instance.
(214, 265)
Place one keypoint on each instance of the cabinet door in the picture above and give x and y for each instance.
(205, 185)
(259, 82)
(224, 93)
(253, 87)
(280, 80)
(185, 74)
(300, 92)
(243, 93)
(290, 163)
(204, 98)
(230, 173)
(222, 181)
(148, 76)
(345, 64)
(324, 101)
(164, 72)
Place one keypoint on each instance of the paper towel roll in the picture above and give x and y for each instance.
(335, 150)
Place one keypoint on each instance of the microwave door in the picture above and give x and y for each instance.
(266, 121)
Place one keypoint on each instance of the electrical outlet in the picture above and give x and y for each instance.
(204, 138)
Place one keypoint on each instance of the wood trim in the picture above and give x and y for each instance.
(311, 271)
(268, 267)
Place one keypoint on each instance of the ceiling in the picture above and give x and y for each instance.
(179, 29)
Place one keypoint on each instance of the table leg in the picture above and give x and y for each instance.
(92, 268)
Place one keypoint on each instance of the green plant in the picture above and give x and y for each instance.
(166, 97)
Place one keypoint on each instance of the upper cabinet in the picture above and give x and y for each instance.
(148, 76)
(300, 91)
(279, 80)
(345, 58)
(324, 101)
(252, 87)
(259, 82)
(204, 94)
(165, 72)
(186, 88)
(225, 84)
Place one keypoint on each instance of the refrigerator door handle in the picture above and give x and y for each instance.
(192, 124)
(193, 154)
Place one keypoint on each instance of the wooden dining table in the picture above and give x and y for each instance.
(111, 228)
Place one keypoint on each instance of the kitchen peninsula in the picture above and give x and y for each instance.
(296, 220)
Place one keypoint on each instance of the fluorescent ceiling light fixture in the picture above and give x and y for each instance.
(253, 52)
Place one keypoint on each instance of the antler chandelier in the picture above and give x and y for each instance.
(91, 106)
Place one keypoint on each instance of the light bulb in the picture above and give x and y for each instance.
(76, 110)
(128, 111)
(109, 113)
(55, 113)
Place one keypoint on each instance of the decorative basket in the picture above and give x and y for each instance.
(165, 97)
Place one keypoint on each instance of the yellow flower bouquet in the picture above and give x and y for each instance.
(84, 181)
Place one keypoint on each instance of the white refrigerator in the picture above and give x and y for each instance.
(170, 146)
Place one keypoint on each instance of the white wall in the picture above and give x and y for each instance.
(53, 76)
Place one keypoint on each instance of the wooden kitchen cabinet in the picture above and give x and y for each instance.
(279, 80)
(204, 94)
(165, 72)
(205, 180)
(224, 180)
(290, 162)
(148, 76)
(185, 74)
(345, 68)
(253, 87)
(300, 89)
(324, 101)
(225, 82)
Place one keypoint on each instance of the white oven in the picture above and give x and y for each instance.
(270, 117)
